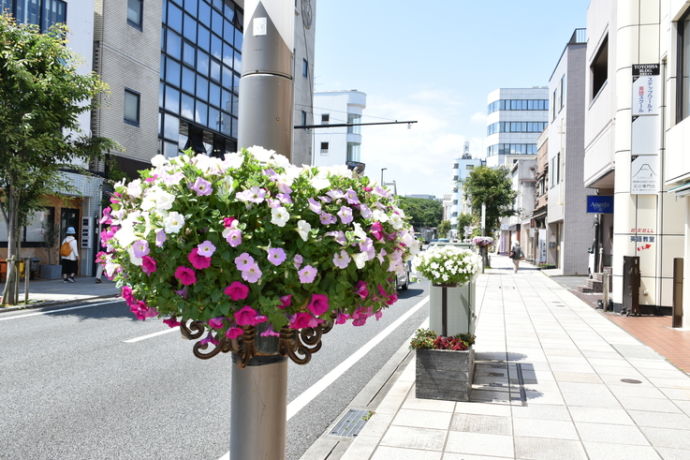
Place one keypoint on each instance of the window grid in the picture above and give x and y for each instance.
(516, 127)
(518, 104)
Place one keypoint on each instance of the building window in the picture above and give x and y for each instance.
(553, 106)
(305, 68)
(599, 67)
(518, 104)
(54, 11)
(36, 232)
(353, 119)
(353, 151)
(683, 102)
(325, 118)
(135, 9)
(324, 148)
(562, 94)
(132, 100)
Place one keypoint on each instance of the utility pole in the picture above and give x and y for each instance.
(259, 390)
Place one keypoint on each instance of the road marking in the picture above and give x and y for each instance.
(148, 336)
(301, 401)
(47, 312)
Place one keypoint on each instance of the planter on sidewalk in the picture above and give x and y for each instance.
(444, 374)
(50, 271)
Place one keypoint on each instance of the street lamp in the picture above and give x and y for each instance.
(382, 170)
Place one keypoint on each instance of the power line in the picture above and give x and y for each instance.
(342, 125)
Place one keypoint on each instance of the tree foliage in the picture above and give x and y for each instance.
(422, 212)
(494, 188)
(443, 229)
(464, 220)
(41, 98)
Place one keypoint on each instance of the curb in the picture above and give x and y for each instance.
(55, 303)
(332, 447)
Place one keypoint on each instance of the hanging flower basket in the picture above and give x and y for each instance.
(249, 248)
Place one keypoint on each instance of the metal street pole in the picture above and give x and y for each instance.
(259, 390)
(382, 170)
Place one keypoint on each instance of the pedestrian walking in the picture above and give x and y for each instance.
(69, 254)
(516, 255)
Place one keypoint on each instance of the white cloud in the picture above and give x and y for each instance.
(420, 158)
(478, 117)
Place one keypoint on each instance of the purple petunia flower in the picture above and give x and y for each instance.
(140, 248)
(201, 187)
(252, 274)
(160, 237)
(307, 274)
(244, 261)
(276, 256)
(345, 215)
(341, 259)
(327, 219)
(206, 249)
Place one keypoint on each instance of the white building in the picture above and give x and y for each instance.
(636, 138)
(570, 229)
(516, 117)
(341, 143)
(462, 167)
(523, 176)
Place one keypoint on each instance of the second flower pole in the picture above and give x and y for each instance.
(259, 390)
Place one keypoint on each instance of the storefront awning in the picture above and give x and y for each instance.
(681, 190)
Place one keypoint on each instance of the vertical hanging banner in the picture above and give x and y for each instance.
(646, 129)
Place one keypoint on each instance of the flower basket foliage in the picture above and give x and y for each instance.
(426, 339)
(447, 265)
(249, 240)
(483, 241)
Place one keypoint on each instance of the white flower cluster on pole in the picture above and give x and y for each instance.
(447, 265)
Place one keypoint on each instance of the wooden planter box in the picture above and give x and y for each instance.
(444, 374)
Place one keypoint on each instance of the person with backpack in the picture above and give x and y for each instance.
(516, 255)
(69, 254)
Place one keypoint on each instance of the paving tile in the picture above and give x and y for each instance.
(674, 454)
(452, 456)
(482, 408)
(660, 419)
(423, 418)
(684, 406)
(607, 451)
(362, 447)
(681, 384)
(414, 438)
(474, 423)
(387, 453)
(377, 424)
(651, 405)
(480, 444)
(559, 429)
(666, 437)
(541, 412)
(548, 449)
(600, 415)
(489, 395)
(427, 404)
(638, 391)
(588, 395)
(393, 400)
(578, 377)
(612, 434)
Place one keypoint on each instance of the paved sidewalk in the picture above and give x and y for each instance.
(52, 292)
(553, 379)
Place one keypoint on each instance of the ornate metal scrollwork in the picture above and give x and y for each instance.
(299, 346)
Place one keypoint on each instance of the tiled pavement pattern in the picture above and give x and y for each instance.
(549, 384)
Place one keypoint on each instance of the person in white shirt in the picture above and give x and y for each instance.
(69, 262)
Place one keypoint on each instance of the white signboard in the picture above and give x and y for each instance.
(645, 130)
(541, 256)
(644, 175)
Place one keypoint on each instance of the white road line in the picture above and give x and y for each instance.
(47, 312)
(148, 336)
(316, 389)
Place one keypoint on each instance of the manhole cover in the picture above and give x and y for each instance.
(352, 423)
(631, 381)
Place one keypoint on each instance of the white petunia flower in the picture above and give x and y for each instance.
(279, 216)
(360, 259)
(159, 161)
(134, 188)
(379, 216)
(303, 228)
(173, 222)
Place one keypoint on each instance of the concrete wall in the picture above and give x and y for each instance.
(337, 104)
(302, 139)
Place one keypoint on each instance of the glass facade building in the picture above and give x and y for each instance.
(201, 43)
(43, 13)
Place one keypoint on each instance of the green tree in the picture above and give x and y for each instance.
(464, 220)
(422, 212)
(443, 229)
(41, 97)
(492, 187)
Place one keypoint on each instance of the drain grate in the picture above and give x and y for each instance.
(631, 381)
(351, 424)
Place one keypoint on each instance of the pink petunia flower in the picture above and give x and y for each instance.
(198, 261)
(377, 231)
(228, 221)
(341, 318)
(185, 275)
(276, 256)
(172, 322)
(233, 237)
(307, 274)
(215, 323)
(269, 332)
(234, 332)
(148, 265)
(303, 320)
(247, 316)
(106, 219)
(318, 305)
(237, 291)
(285, 301)
(127, 294)
(361, 289)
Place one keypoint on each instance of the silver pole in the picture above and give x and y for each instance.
(259, 390)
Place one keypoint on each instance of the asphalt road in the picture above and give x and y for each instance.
(71, 388)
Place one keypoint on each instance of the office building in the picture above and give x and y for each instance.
(462, 167)
(338, 145)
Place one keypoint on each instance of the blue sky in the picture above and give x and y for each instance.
(435, 61)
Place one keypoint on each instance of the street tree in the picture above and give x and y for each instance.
(423, 212)
(443, 229)
(464, 220)
(493, 188)
(41, 97)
